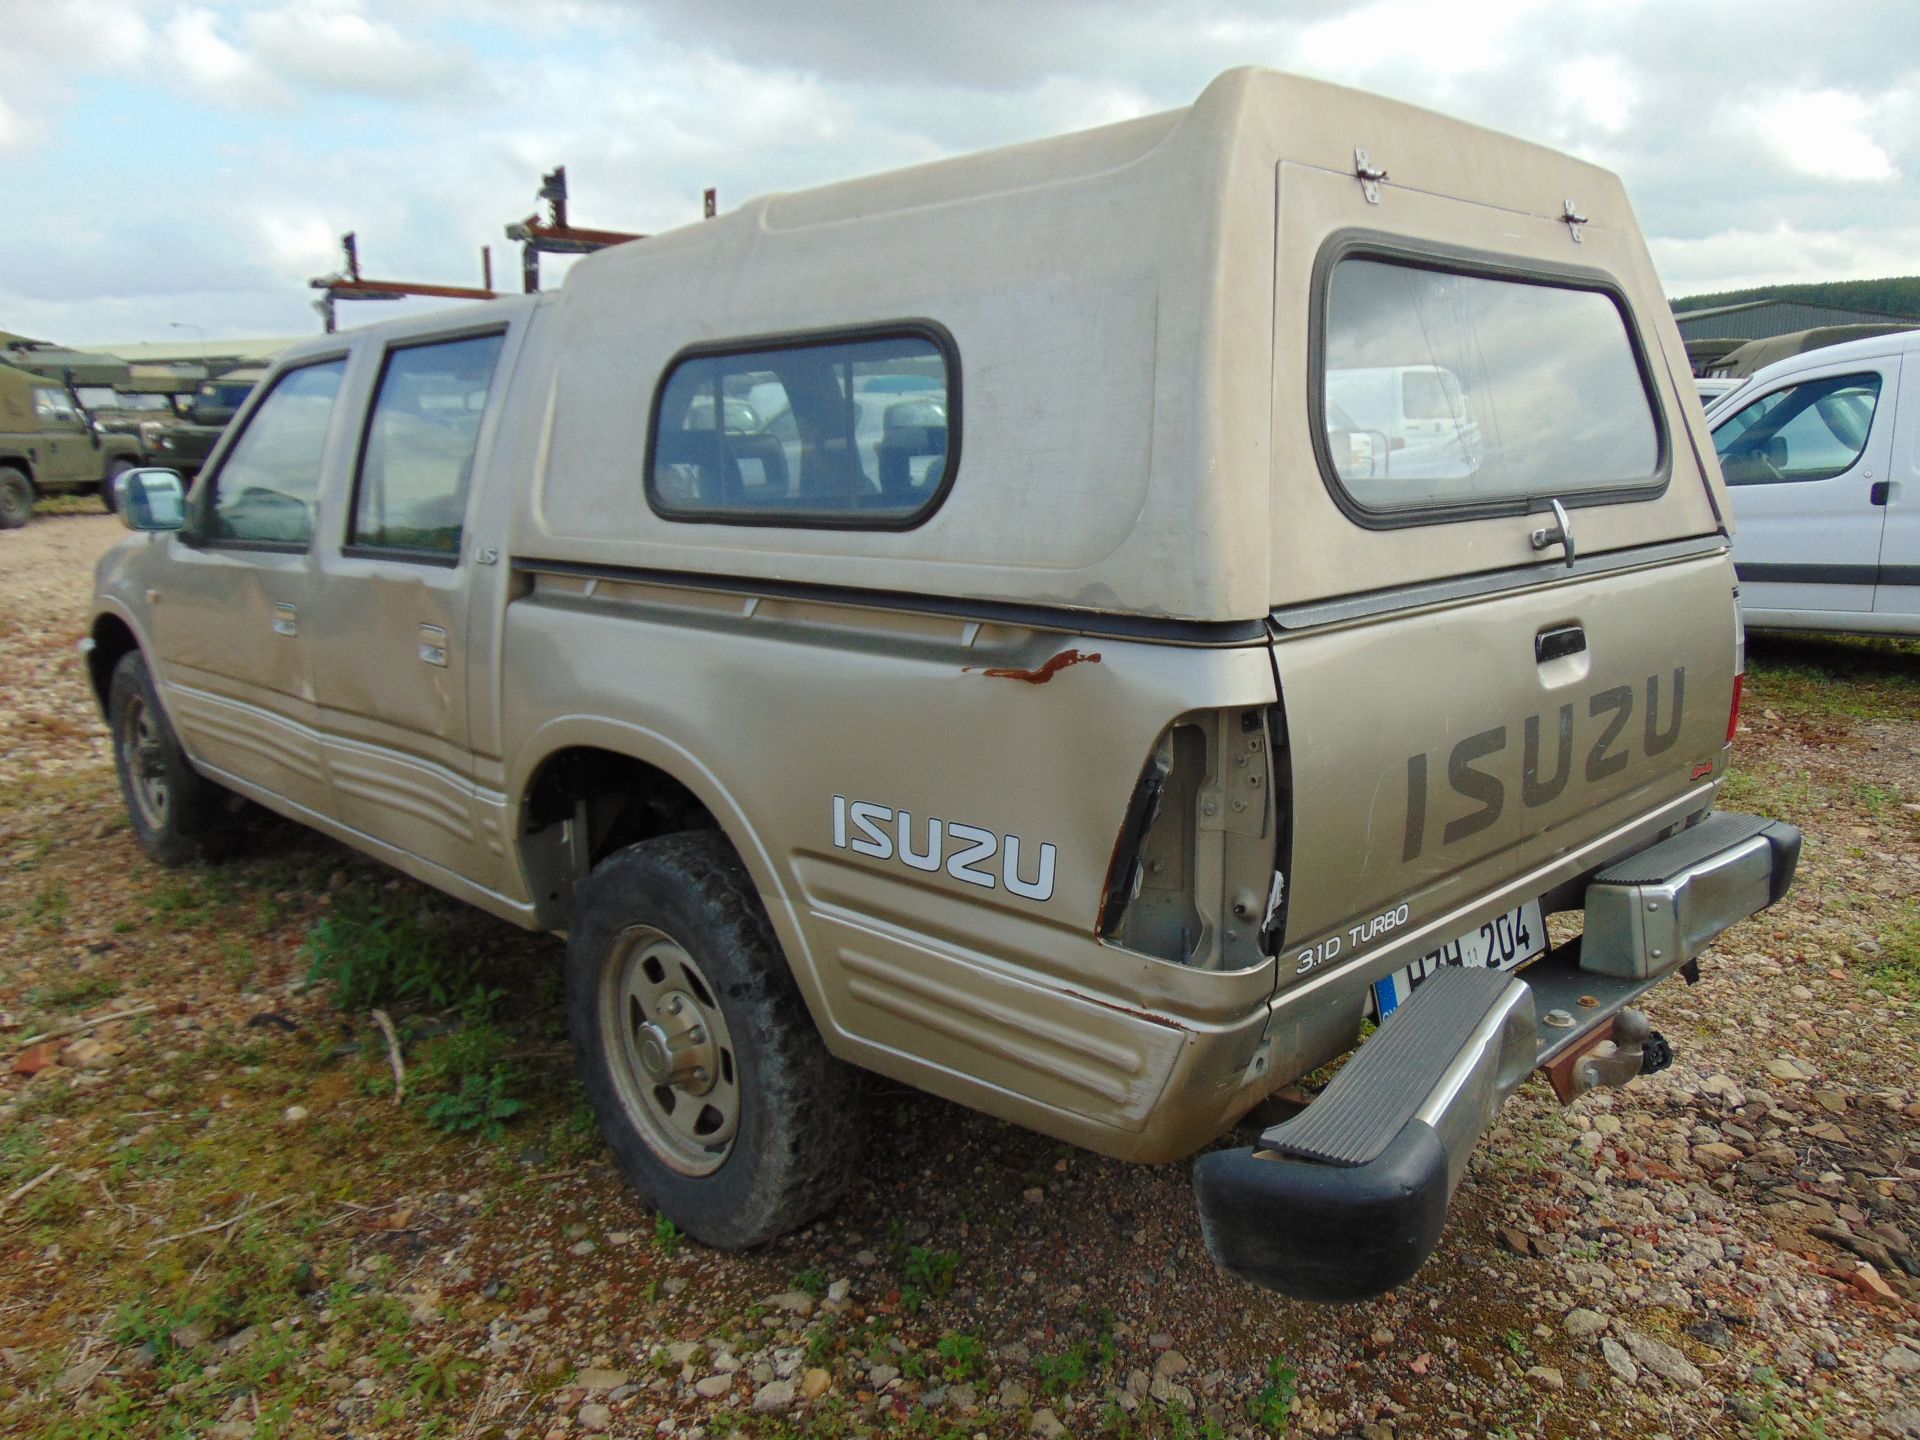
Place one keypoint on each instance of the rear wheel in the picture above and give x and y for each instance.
(16, 498)
(176, 811)
(711, 1084)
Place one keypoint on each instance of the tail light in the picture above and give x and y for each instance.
(1739, 667)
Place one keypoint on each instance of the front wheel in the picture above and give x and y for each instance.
(16, 499)
(710, 1082)
(175, 810)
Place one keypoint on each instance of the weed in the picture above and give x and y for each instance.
(813, 1280)
(436, 1377)
(48, 908)
(1272, 1408)
(374, 957)
(1899, 967)
(666, 1236)
(965, 1354)
(819, 1343)
(76, 994)
(480, 1106)
(1516, 1344)
(929, 1276)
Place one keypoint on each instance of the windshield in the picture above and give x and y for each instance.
(1443, 389)
(219, 395)
(105, 397)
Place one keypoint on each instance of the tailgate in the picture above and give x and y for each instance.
(1443, 751)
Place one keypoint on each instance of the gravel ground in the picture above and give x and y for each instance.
(1725, 1249)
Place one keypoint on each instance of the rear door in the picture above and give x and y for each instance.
(1805, 462)
(1464, 707)
(390, 639)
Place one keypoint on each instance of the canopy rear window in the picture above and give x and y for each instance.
(1446, 392)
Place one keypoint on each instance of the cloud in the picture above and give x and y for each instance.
(332, 45)
(213, 66)
(1761, 150)
(1822, 133)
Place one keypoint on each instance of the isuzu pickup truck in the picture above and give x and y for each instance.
(944, 625)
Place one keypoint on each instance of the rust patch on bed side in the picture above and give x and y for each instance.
(1047, 671)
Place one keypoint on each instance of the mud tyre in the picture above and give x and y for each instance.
(16, 498)
(178, 814)
(709, 1079)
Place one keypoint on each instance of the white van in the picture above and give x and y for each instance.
(1420, 411)
(1821, 454)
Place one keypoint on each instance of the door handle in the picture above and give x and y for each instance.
(1559, 533)
(286, 618)
(1878, 494)
(433, 645)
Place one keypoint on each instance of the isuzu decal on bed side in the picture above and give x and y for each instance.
(1611, 710)
(884, 833)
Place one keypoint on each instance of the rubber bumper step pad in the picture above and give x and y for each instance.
(1721, 830)
(1377, 1092)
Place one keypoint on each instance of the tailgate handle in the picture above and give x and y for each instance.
(1558, 533)
(1559, 642)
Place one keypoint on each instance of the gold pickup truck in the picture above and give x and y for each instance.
(1081, 629)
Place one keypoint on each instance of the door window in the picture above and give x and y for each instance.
(265, 492)
(417, 458)
(50, 404)
(1811, 431)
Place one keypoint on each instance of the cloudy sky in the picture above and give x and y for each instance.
(179, 168)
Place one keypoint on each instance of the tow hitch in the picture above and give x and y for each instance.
(1637, 1049)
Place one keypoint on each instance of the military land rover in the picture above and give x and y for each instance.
(944, 625)
(185, 445)
(49, 445)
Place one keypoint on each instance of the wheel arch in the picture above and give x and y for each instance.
(112, 637)
(636, 783)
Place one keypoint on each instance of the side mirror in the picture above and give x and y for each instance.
(1359, 454)
(150, 499)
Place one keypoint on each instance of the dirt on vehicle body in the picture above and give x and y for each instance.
(1095, 731)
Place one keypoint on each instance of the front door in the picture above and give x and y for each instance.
(231, 622)
(67, 453)
(390, 643)
(1803, 462)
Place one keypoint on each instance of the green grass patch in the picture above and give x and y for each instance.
(1898, 970)
(1819, 676)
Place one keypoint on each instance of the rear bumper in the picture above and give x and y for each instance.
(1348, 1199)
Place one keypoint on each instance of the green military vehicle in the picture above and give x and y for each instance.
(149, 404)
(49, 446)
(185, 447)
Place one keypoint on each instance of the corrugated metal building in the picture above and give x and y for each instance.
(1760, 319)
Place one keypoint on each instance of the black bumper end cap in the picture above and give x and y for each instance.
(1329, 1233)
(1784, 839)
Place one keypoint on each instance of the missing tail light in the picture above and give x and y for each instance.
(1195, 875)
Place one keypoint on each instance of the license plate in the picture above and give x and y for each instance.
(1505, 942)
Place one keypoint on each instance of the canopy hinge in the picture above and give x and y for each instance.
(1571, 216)
(1368, 174)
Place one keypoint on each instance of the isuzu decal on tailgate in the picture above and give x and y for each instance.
(1607, 713)
(964, 851)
